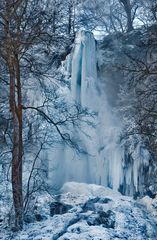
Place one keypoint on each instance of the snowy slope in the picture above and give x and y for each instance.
(96, 213)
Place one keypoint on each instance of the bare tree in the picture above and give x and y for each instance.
(110, 16)
(17, 37)
(27, 30)
(128, 9)
(9, 51)
(138, 95)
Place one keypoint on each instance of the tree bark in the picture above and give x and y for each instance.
(15, 100)
(16, 111)
(128, 9)
(69, 18)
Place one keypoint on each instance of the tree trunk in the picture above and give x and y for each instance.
(15, 101)
(128, 9)
(54, 22)
(69, 18)
(16, 110)
(129, 18)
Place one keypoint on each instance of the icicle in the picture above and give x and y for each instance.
(84, 73)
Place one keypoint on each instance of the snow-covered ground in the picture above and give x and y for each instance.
(94, 212)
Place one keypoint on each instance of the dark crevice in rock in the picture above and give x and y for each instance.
(59, 208)
(76, 219)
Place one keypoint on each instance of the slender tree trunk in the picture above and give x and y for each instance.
(16, 110)
(16, 113)
(54, 22)
(128, 10)
(129, 18)
(69, 19)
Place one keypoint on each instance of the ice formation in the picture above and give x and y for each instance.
(84, 72)
(108, 163)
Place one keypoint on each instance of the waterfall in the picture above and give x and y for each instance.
(107, 163)
(106, 156)
(84, 72)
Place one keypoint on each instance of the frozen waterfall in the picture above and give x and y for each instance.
(107, 163)
(84, 72)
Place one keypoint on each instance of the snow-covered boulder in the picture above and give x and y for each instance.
(150, 204)
(96, 213)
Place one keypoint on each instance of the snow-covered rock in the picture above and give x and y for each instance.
(97, 213)
(150, 204)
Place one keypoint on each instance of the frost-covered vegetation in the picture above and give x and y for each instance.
(78, 103)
